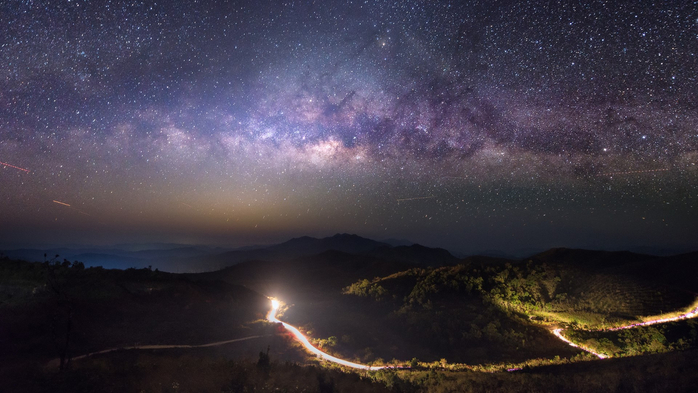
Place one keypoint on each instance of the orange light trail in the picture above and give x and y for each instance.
(16, 167)
(271, 317)
(558, 334)
(67, 205)
(690, 314)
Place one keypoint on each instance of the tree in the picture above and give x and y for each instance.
(264, 362)
(414, 363)
(62, 317)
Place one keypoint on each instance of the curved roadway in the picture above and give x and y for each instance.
(271, 317)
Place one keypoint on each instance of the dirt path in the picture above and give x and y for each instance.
(56, 362)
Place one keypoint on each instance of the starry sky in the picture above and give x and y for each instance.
(469, 125)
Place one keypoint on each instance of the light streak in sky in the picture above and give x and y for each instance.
(61, 203)
(271, 317)
(16, 167)
(415, 199)
(631, 172)
(77, 210)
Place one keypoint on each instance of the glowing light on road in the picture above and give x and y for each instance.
(275, 304)
(16, 167)
(271, 317)
(557, 332)
(691, 314)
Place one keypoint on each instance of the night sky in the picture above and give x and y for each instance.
(470, 125)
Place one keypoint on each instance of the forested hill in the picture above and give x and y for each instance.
(580, 286)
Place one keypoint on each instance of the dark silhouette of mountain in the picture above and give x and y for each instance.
(110, 261)
(500, 254)
(398, 242)
(662, 251)
(191, 259)
(294, 248)
(588, 258)
(416, 254)
(114, 258)
(679, 271)
(317, 276)
(482, 261)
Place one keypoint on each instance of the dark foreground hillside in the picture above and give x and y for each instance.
(132, 371)
(369, 307)
(49, 310)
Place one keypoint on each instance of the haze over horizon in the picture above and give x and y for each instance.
(464, 125)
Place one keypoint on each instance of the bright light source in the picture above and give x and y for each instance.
(274, 304)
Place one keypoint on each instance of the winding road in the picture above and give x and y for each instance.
(688, 315)
(56, 362)
(271, 317)
(275, 304)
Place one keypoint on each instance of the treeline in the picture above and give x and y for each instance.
(22, 281)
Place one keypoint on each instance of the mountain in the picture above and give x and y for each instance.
(294, 248)
(398, 242)
(588, 258)
(192, 259)
(115, 257)
(416, 255)
(320, 274)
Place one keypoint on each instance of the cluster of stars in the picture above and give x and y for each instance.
(427, 120)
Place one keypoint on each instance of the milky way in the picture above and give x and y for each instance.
(466, 125)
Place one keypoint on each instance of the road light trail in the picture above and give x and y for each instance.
(690, 314)
(55, 362)
(558, 334)
(271, 317)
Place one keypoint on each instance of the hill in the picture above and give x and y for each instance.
(369, 302)
(49, 309)
(193, 259)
